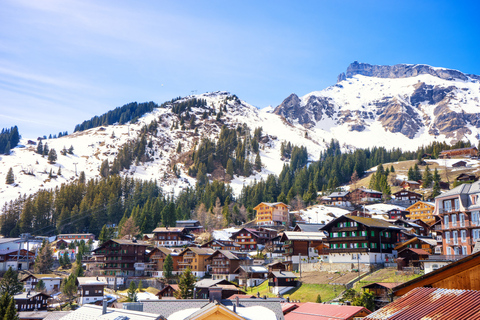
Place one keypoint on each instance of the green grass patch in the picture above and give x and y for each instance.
(308, 292)
(385, 275)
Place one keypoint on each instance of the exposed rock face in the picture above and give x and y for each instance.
(405, 106)
(314, 109)
(402, 71)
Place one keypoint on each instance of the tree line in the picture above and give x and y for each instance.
(9, 139)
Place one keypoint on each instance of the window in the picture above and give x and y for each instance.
(457, 204)
(455, 237)
(454, 220)
(449, 251)
(475, 218)
(364, 233)
(447, 237)
(445, 222)
(463, 234)
(456, 251)
(464, 250)
(447, 206)
(461, 216)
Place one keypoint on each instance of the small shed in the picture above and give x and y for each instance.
(460, 163)
(413, 256)
(282, 279)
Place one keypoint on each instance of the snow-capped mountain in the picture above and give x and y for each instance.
(93, 146)
(393, 106)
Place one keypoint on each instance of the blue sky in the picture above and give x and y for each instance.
(62, 61)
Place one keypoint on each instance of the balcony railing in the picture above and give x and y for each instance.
(460, 225)
(451, 210)
(336, 229)
(446, 257)
(343, 239)
(347, 250)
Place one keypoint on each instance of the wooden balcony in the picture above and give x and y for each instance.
(351, 250)
(344, 229)
(343, 239)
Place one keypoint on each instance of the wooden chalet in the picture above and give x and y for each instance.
(52, 282)
(216, 289)
(168, 291)
(411, 257)
(282, 279)
(195, 259)
(421, 210)
(413, 227)
(308, 227)
(9, 258)
(277, 266)
(463, 152)
(382, 292)
(339, 199)
(31, 300)
(90, 289)
(193, 226)
(395, 214)
(410, 185)
(302, 246)
(171, 237)
(462, 274)
(223, 264)
(459, 164)
(276, 213)
(156, 258)
(362, 240)
(251, 276)
(464, 177)
(362, 195)
(221, 245)
(121, 257)
(407, 196)
(249, 238)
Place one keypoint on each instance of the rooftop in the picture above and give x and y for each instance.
(320, 311)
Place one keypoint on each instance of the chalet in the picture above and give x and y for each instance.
(411, 227)
(121, 257)
(459, 212)
(463, 274)
(276, 213)
(364, 195)
(459, 164)
(410, 185)
(410, 257)
(52, 282)
(464, 177)
(59, 244)
(394, 214)
(277, 266)
(215, 289)
(31, 300)
(12, 258)
(421, 210)
(302, 246)
(382, 292)
(156, 258)
(281, 281)
(249, 238)
(168, 291)
(275, 247)
(320, 311)
(339, 199)
(251, 276)
(90, 289)
(195, 259)
(407, 196)
(189, 225)
(431, 303)
(171, 237)
(363, 240)
(308, 227)
(223, 264)
(221, 245)
(426, 244)
(76, 236)
(463, 152)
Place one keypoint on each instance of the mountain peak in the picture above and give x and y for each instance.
(403, 71)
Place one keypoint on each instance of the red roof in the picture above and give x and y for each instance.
(419, 251)
(320, 311)
(432, 303)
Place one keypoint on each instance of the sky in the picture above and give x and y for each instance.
(65, 61)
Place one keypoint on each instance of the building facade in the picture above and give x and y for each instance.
(272, 213)
(421, 210)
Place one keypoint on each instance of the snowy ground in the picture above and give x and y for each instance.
(321, 213)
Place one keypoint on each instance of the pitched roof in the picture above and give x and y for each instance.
(283, 274)
(389, 285)
(207, 283)
(227, 253)
(320, 311)
(89, 311)
(199, 251)
(306, 236)
(432, 303)
(168, 229)
(372, 222)
(92, 281)
(309, 227)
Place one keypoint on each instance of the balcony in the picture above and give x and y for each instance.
(343, 239)
(446, 257)
(349, 250)
(451, 210)
(460, 225)
(344, 229)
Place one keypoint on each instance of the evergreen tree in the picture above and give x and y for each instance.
(427, 178)
(44, 260)
(319, 299)
(52, 156)
(186, 284)
(60, 261)
(40, 286)
(10, 177)
(10, 284)
(69, 287)
(168, 267)
(132, 292)
(140, 286)
(4, 302)
(40, 147)
(70, 150)
(104, 169)
(392, 169)
(230, 167)
(66, 260)
(11, 313)
(416, 172)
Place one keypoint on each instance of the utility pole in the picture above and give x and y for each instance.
(75, 163)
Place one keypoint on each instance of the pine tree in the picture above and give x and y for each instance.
(40, 147)
(4, 302)
(10, 177)
(258, 162)
(66, 260)
(40, 286)
(319, 299)
(44, 260)
(52, 156)
(10, 284)
(11, 313)
(132, 292)
(186, 285)
(140, 286)
(427, 178)
(168, 267)
(230, 167)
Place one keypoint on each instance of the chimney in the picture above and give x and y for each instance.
(288, 299)
(104, 304)
(234, 307)
(238, 300)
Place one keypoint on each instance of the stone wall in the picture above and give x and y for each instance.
(341, 267)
